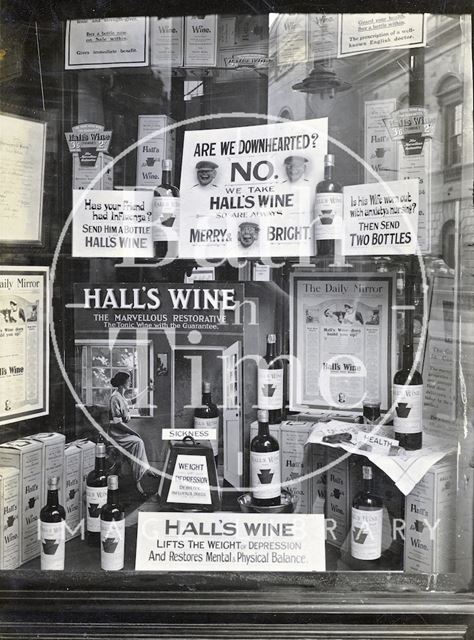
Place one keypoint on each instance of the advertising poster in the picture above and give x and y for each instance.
(230, 542)
(200, 41)
(322, 35)
(107, 42)
(439, 366)
(24, 343)
(342, 340)
(22, 156)
(166, 42)
(249, 192)
(289, 37)
(380, 150)
(112, 224)
(363, 32)
(381, 219)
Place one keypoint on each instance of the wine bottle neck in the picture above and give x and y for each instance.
(407, 356)
(263, 429)
(271, 350)
(368, 485)
(100, 463)
(328, 172)
(112, 496)
(52, 499)
(166, 177)
(206, 398)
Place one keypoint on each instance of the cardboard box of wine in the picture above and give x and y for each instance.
(153, 150)
(430, 522)
(338, 491)
(26, 456)
(9, 518)
(72, 489)
(52, 461)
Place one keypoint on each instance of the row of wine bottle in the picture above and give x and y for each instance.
(105, 520)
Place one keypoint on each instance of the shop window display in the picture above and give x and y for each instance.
(258, 236)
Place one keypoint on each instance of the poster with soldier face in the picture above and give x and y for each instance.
(248, 191)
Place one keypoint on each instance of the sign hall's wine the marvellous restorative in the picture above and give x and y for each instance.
(407, 399)
(207, 417)
(52, 530)
(328, 211)
(112, 529)
(270, 382)
(366, 521)
(96, 496)
(265, 472)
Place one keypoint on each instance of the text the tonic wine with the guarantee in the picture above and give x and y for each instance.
(207, 417)
(52, 530)
(96, 496)
(328, 211)
(112, 529)
(270, 382)
(265, 479)
(165, 207)
(366, 521)
(407, 399)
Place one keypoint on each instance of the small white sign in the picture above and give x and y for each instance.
(197, 434)
(190, 481)
(363, 32)
(381, 218)
(230, 542)
(376, 442)
(112, 224)
(107, 42)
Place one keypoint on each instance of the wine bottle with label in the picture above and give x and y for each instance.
(207, 417)
(112, 529)
(366, 523)
(96, 496)
(407, 399)
(265, 474)
(53, 530)
(270, 382)
(328, 211)
(165, 208)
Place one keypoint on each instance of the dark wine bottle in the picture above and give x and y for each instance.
(366, 523)
(165, 212)
(207, 417)
(53, 530)
(112, 529)
(327, 211)
(96, 496)
(408, 403)
(265, 478)
(270, 382)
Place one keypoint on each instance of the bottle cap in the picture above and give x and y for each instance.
(262, 415)
(53, 483)
(271, 338)
(329, 160)
(112, 483)
(206, 387)
(100, 450)
(367, 473)
(166, 165)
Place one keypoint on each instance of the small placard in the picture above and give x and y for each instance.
(190, 481)
(197, 434)
(230, 542)
(363, 32)
(376, 442)
(381, 219)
